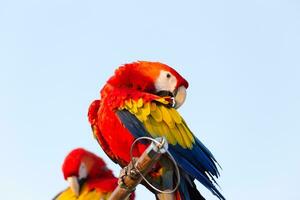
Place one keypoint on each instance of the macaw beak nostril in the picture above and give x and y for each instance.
(180, 95)
(74, 185)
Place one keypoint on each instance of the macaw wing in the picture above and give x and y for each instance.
(157, 119)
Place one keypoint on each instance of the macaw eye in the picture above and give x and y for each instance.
(165, 81)
(82, 171)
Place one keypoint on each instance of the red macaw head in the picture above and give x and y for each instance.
(151, 77)
(80, 165)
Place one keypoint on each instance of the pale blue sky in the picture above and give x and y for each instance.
(242, 59)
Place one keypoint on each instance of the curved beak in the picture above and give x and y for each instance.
(179, 97)
(74, 185)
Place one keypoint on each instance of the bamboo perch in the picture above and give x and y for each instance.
(130, 178)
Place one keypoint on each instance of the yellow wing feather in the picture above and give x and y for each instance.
(153, 106)
(179, 137)
(128, 103)
(140, 103)
(175, 115)
(161, 120)
(168, 134)
(85, 194)
(166, 116)
(146, 109)
(148, 126)
(156, 114)
(154, 131)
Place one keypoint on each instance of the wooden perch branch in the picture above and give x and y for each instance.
(130, 176)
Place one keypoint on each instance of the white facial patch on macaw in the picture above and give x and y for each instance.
(165, 82)
(82, 171)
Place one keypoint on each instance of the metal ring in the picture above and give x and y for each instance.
(170, 156)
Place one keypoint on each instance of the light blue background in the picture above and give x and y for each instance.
(240, 57)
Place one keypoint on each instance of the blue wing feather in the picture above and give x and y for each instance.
(194, 172)
(135, 127)
(197, 162)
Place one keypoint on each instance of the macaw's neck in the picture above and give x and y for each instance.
(103, 184)
(97, 172)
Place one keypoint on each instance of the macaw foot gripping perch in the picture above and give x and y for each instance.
(138, 168)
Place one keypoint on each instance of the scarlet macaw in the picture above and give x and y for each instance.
(141, 99)
(88, 177)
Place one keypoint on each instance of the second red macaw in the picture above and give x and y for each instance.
(141, 99)
(88, 177)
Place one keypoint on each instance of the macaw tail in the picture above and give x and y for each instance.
(187, 189)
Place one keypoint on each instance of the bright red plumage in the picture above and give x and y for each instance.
(98, 173)
(131, 81)
(114, 138)
(99, 181)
